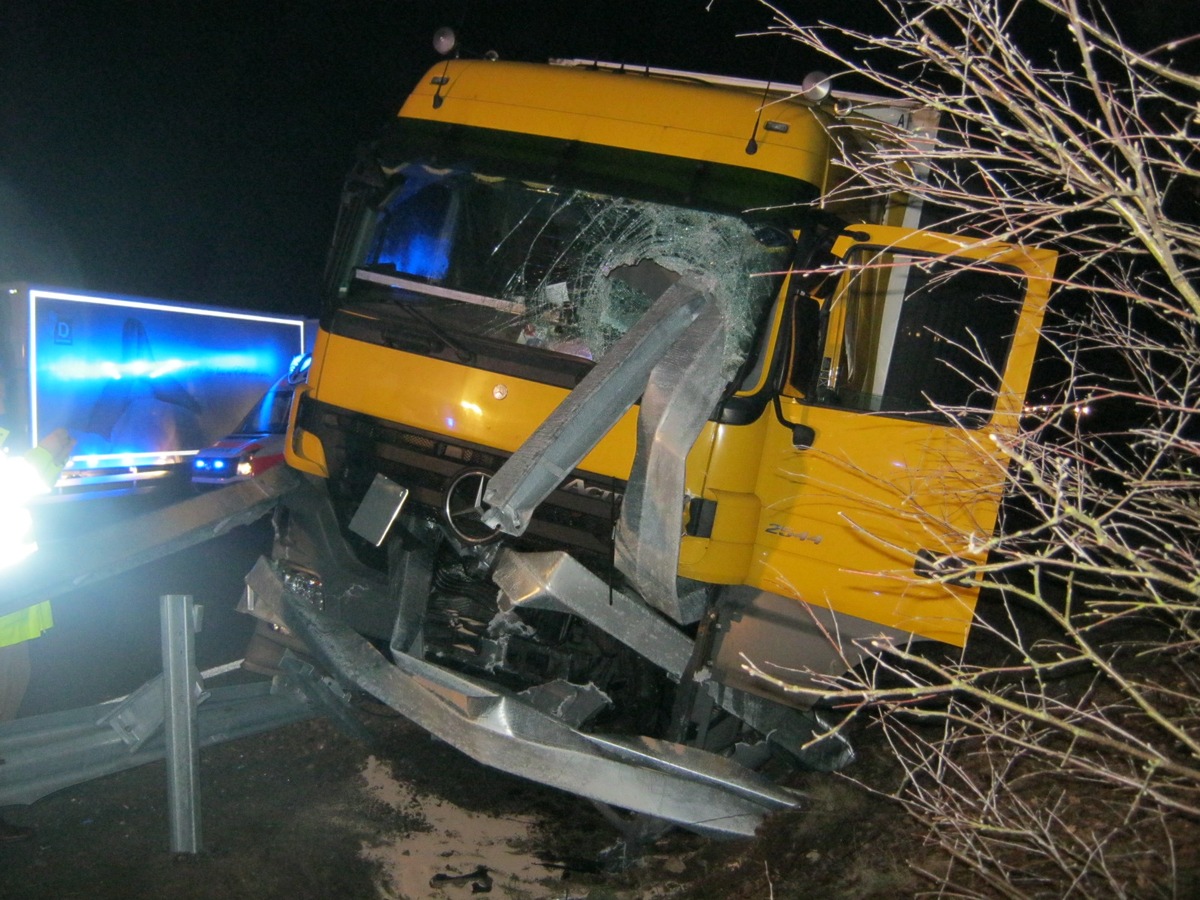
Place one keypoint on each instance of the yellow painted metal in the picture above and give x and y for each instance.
(467, 404)
(675, 117)
(730, 478)
(302, 449)
(725, 556)
(836, 524)
(842, 520)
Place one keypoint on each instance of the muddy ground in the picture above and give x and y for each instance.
(307, 812)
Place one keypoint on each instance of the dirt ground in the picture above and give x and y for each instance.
(306, 811)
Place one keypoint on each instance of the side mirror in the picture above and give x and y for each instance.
(803, 436)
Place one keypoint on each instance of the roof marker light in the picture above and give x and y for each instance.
(444, 41)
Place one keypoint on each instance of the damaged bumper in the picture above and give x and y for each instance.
(519, 734)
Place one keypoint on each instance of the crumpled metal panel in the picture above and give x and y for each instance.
(790, 639)
(679, 398)
(44, 754)
(571, 703)
(558, 582)
(604, 395)
(691, 788)
(313, 542)
(795, 730)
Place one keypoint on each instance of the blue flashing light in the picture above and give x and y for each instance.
(141, 384)
(417, 227)
(422, 255)
(77, 369)
(298, 368)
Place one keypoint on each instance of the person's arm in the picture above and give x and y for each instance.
(49, 457)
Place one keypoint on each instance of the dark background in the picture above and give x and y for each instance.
(195, 150)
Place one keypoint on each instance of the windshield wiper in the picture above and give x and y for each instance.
(461, 351)
(434, 290)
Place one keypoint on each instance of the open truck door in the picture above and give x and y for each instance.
(883, 468)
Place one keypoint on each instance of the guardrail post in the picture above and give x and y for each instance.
(179, 625)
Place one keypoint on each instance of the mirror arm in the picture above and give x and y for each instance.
(803, 436)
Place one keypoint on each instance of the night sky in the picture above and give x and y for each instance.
(195, 150)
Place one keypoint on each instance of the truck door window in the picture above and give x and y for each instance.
(918, 336)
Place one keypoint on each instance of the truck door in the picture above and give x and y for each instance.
(883, 468)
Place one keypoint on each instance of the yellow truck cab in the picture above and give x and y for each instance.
(607, 401)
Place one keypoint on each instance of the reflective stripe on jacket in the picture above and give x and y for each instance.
(20, 479)
(25, 624)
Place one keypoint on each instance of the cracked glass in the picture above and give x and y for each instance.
(554, 267)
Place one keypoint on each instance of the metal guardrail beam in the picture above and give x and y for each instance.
(47, 753)
(698, 790)
(605, 394)
(59, 567)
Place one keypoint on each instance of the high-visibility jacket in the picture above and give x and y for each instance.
(20, 479)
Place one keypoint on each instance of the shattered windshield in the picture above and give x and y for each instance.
(557, 266)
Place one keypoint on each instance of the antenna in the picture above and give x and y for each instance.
(444, 42)
(752, 144)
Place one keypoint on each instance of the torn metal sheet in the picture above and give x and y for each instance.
(794, 730)
(557, 581)
(410, 582)
(680, 395)
(571, 703)
(693, 789)
(792, 640)
(313, 543)
(605, 394)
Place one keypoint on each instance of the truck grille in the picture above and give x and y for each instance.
(357, 446)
